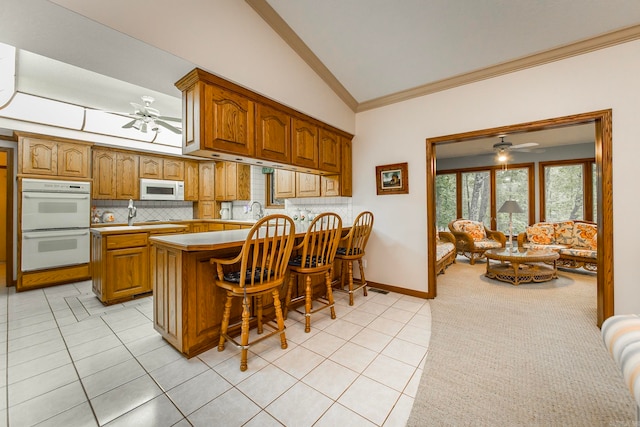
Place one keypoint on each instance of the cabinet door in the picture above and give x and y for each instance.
(127, 272)
(330, 151)
(330, 186)
(285, 185)
(243, 182)
(173, 169)
(73, 160)
(191, 181)
(273, 134)
(206, 209)
(150, 167)
(39, 157)
(104, 175)
(346, 188)
(231, 182)
(304, 143)
(221, 181)
(206, 188)
(127, 182)
(232, 123)
(307, 185)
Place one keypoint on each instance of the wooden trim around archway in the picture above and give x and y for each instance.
(603, 149)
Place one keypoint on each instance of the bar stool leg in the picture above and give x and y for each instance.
(259, 306)
(362, 279)
(287, 299)
(225, 322)
(307, 304)
(350, 279)
(244, 338)
(278, 307)
(327, 279)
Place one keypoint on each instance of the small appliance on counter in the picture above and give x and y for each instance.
(226, 210)
(108, 216)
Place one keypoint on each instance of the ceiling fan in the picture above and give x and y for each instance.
(147, 118)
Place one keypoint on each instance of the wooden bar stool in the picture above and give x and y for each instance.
(315, 255)
(352, 249)
(261, 271)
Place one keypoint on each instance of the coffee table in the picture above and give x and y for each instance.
(520, 265)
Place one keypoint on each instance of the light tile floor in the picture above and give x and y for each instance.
(69, 361)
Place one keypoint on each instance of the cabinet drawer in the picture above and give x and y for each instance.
(126, 240)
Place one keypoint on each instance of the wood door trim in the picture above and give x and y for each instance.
(604, 165)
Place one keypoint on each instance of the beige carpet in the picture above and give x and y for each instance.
(530, 355)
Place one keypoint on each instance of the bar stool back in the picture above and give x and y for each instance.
(315, 255)
(262, 269)
(352, 249)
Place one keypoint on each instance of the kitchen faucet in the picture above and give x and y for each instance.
(258, 214)
(133, 211)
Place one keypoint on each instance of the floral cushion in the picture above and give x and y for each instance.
(444, 249)
(586, 236)
(474, 228)
(564, 233)
(487, 244)
(583, 253)
(538, 246)
(542, 233)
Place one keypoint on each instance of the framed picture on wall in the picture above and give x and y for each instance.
(392, 179)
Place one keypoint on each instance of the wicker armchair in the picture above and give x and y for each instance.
(473, 238)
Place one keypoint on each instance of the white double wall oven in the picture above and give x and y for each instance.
(55, 223)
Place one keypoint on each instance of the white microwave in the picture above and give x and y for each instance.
(160, 189)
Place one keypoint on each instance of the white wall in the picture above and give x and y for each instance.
(599, 80)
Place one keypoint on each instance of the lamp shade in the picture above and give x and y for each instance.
(510, 206)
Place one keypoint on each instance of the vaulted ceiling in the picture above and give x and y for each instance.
(371, 52)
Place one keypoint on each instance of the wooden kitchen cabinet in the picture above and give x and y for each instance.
(104, 175)
(152, 167)
(273, 134)
(115, 175)
(304, 143)
(330, 151)
(205, 208)
(120, 262)
(53, 158)
(330, 186)
(307, 185)
(346, 178)
(291, 184)
(127, 176)
(191, 173)
(285, 185)
(232, 181)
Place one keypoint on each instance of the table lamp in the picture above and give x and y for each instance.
(510, 207)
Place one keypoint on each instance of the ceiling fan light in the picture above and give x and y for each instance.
(136, 125)
(502, 156)
(143, 128)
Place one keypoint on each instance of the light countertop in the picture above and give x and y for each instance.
(124, 229)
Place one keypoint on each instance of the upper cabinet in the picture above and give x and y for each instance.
(52, 157)
(191, 180)
(232, 181)
(227, 122)
(346, 174)
(330, 151)
(215, 119)
(115, 175)
(161, 168)
(304, 144)
(273, 134)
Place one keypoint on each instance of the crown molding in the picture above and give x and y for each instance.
(566, 51)
(271, 17)
(591, 44)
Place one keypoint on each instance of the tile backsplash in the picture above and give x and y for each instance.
(147, 210)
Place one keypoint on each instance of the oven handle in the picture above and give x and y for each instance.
(41, 234)
(55, 196)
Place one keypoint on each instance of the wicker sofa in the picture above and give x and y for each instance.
(445, 251)
(473, 238)
(576, 241)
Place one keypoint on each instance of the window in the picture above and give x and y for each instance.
(271, 201)
(478, 193)
(567, 190)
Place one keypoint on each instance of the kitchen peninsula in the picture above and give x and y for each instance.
(187, 306)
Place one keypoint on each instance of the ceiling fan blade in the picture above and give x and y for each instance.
(168, 126)
(130, 124)
(525, 145)
(170, 119)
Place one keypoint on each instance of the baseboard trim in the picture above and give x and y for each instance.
(403, 291)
